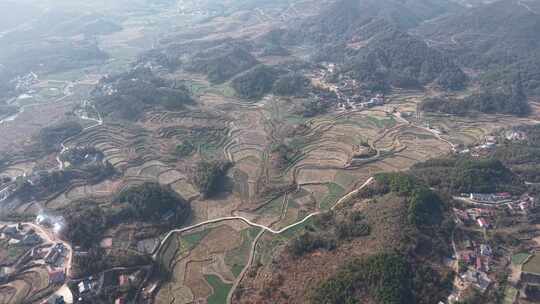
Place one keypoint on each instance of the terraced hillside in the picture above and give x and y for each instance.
(258, 177)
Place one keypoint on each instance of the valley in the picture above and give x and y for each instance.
(246, 151)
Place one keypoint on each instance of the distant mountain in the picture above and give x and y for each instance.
(500, 38)
(347, 19)
(500, 32)
(222, 62)
(369, 38)
(13, 13)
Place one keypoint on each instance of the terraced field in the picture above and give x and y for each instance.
(205, 262)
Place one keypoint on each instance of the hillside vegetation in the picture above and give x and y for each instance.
(127, 95)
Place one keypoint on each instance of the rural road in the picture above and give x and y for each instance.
(98, 121)
(51, 238)
(521, 3)
(249, 222)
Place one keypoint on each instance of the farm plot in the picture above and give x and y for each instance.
(532, 265)
(205, 263)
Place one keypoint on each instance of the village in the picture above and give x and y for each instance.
(35, 247)
(345, 89)
(479, 217)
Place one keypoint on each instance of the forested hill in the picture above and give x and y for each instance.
(501, 32)
(345, 19)
(499, 39)
(370, 38)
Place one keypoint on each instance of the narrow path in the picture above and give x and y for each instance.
(246, 268)
(521, 3)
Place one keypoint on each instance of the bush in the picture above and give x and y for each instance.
(185, 149)
(308, 242)
(51, 137)
(256, 83)
(209, 176)
(151, 201)
(387, 277)
(291, 85)
(85, 224)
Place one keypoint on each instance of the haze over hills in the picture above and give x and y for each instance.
(252, 151)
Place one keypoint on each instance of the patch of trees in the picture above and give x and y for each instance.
(308, 242)
(323, 100)
(424, 207)
(48, 56)
(331, 230)
(51, 137)
(464, 175)
(255, 83)
(209, 176)
(292, 84)
(222, 62)
(391, 56)
(85, 224)
(159, 58)
(270, 44)
(52, 182)
(89, 25)
(127, 95)
(352, 226)
(151, 201)
(387, 277)
(505, 74)
(398, 59)
(185, 149)
(522, 157)
(286, 155)
(508, 29)
(511, 100)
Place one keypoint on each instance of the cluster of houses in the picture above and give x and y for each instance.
(52, 256)
(24, 83)
(523, 205)
(90, 287)
(346, 90)
(480, 216)
(490, 198)
(483, 149)
(474, 258)
(515, 135)
(17, 234)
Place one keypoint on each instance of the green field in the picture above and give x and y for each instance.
(335, 191)
(532, 265)
(238, 257)
(510, 294)
(382, 123)
(221, 290)
(519, 258)
(191, 240)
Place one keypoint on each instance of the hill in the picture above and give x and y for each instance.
(499, 39)
(128, 94)
(222, 62)
(378, 248)
(370, 40)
